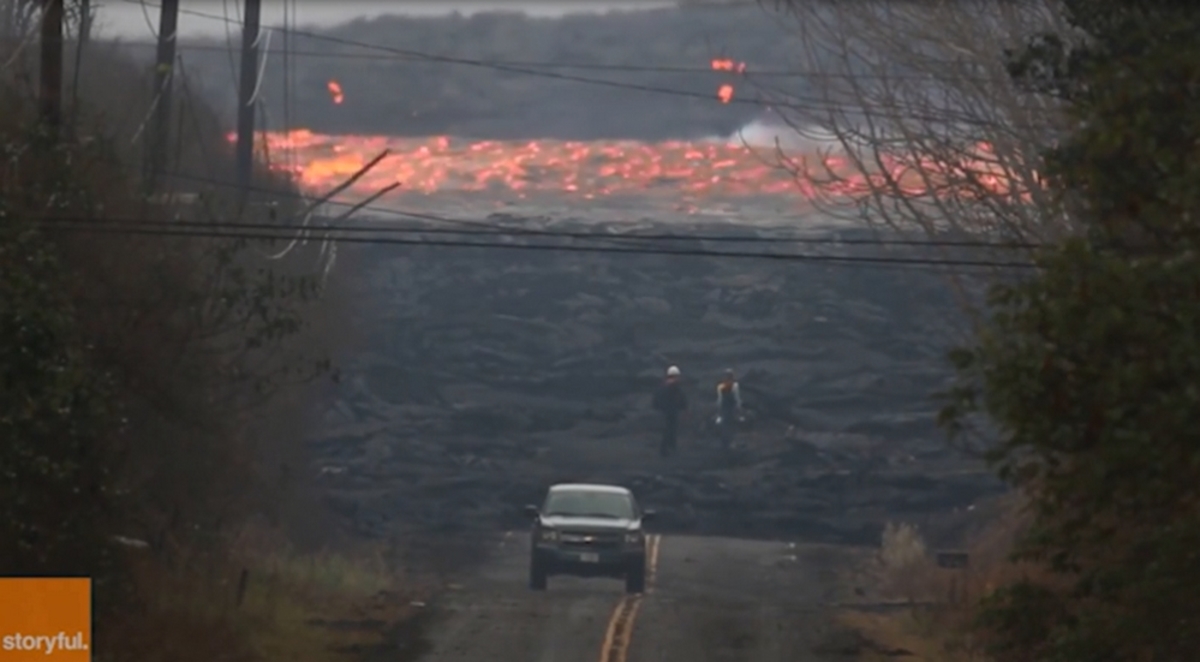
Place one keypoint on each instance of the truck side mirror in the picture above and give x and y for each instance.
(649, 514)
(532, 510)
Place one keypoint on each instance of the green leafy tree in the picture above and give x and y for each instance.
(55, 409)
(1090, 370)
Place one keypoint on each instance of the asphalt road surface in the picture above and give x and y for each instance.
(707, 599)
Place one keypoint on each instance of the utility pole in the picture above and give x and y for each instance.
(85, 21)
(51, 74)
(249, 81)
(84, 7)
(8, 29)
(164, 76)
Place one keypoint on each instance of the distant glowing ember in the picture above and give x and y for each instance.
(725, 64)
(335, 92)
(687, 172)
(725, 91)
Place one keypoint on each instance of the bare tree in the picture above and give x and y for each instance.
(19, 18)
(925, 130)
(922, 130)
(20, 21)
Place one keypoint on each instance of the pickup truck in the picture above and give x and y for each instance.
(588, 530)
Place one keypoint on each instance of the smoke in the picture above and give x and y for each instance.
(766, 134)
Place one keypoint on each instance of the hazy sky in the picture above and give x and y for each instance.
(132, 19)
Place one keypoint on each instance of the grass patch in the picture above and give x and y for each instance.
(894, 632)
(265, 602)
(915, 606)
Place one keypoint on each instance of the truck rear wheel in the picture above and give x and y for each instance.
(635, 578)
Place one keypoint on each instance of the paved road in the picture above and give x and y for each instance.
(707, 600)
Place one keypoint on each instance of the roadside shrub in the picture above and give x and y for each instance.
(136, 372)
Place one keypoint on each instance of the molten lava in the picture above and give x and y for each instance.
(683, 171)
(725, 93)
(725, 64)
(588, 169)
(335, 92)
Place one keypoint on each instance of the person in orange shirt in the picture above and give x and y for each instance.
(729, 407)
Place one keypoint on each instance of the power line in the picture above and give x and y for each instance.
(149, 22)
(214, 231)
(531, 232)
(431, 58)
(945, 117)
(711, 238)
(490, 228)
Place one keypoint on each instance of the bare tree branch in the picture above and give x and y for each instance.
(926, 131)
(913, 125)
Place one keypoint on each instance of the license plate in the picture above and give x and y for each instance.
(589, 558)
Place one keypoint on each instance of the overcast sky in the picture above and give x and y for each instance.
(132, 19)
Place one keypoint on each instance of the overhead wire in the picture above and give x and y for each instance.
(262, 67)
(554, 233)
(288, 89)
(499, 231)
(229, 49)
(269, 232)
(431, 58)
(149, 21)
(488, 227)
(810, 106)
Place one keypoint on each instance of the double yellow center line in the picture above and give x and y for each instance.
(620, 625)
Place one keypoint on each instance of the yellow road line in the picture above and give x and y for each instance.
(652, 561)
(620, 629)
(620, 626)
(655, 542)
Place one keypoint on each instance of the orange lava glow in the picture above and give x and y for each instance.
(725, 64)
(725, 91)
(335, 92)
(684, 171)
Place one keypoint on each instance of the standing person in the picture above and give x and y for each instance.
(671, 401)
(729, 407)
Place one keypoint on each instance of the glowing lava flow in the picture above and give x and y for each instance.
(587, 169)
(684, 171)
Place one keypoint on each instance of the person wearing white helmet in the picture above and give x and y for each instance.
(671, 401)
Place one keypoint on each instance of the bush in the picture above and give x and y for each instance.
(155, 387)
(263, 600)
(941, 608)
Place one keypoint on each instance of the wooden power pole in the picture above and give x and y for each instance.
(85, 21)
(51, 73)
(164, 77)
(249, 81)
